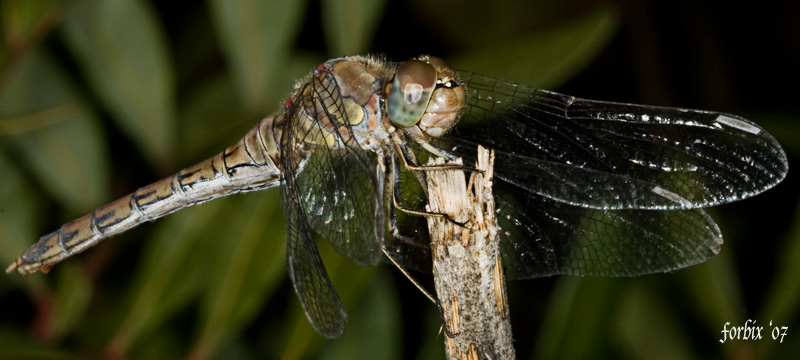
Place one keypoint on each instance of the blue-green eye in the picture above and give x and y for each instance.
(411, 90)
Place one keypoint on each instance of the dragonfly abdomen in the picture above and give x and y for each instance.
(247, 165)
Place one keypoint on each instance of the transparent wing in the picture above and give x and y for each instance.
(320, 301)
(614, 156)
(311, 282)
(338, 187)
(603, 189)
(542, 237)
(331, 190)
(340, 206)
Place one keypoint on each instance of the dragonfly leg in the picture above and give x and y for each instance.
(409, 157)
(410, 163)
(444, 328)
(397, 201)
(414, 165)
(427, 294)
(410, 278)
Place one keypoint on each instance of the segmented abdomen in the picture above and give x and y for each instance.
(250, 164)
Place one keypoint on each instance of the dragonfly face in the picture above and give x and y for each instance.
(582, 187)
(424, 97)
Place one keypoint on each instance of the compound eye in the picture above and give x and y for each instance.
(411, 90)
(415, 76)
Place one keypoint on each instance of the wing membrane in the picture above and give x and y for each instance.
(320, 301)
(311, 282)
(614, 156)
(328, 186)
(595, 188)
(542, 237)
(341, 194)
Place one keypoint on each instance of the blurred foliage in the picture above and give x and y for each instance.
(98, 98)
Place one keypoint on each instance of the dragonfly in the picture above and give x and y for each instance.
(582, 187)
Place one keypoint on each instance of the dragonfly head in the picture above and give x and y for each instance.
(425, 97)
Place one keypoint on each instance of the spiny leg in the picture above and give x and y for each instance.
(397, 199)
(427, 294)
(410, 162)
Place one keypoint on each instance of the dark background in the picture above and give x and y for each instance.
(99, 98)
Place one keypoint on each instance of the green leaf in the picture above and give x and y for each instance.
(15, 345)
(211, 119)
(783, 295)
(432, 340)
(350, 25)
(300, 341)
(20, 18)
(55, 133)
(373, 331)
(716, 291)
(256, 37)
(247, 270)
(18, 210)
(350, 281)
(644, 323)
(718, 296)
(546, 58)
(122, 51)
(73, 294)
(171, 272)
(25, 23)
(577, 318)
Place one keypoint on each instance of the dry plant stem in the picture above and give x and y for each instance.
(467, 268)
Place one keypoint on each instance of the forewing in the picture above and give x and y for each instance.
(338, 187)
(613, 156)
(594, 188)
